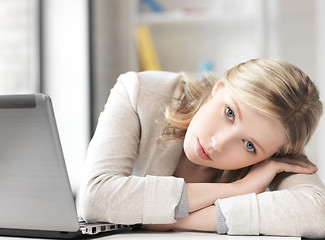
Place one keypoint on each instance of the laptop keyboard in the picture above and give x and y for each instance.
(94, 228)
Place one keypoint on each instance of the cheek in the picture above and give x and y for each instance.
(198, 123)
(237, 158)
(208, 116)
(188, 143)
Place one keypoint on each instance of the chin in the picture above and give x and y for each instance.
(189, 154)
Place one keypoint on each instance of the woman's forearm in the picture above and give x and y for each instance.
(201, 220)
(202, 195)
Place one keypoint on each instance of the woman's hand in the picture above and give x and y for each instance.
(261, 174)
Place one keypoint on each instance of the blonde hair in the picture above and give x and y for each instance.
(274, 87)
(192, 95)
(282, 91)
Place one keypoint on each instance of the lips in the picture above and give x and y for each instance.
(200, 151)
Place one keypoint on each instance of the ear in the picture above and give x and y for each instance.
(216, 87)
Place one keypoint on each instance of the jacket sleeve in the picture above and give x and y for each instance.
(109, 192)
(295, 206)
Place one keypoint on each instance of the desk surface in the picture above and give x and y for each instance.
(140, 235)
(189, 236)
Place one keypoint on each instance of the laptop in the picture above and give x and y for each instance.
(36, 199)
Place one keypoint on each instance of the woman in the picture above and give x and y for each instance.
(207, 162)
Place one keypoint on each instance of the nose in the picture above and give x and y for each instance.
(220, 142)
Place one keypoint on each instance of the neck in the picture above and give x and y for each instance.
(193, 173)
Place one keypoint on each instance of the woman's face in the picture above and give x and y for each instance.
(228, 134)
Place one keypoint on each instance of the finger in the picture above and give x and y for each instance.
(295, 168)
(303, 158)
(304, 162)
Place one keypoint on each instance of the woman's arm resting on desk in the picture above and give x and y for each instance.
(292, 212)
(109, 191)
(201, 195)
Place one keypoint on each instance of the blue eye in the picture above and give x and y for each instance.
(230, 114)
(249, 146)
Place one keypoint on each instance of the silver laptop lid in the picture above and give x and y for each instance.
(35, 191)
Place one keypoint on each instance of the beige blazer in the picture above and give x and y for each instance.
(128, 172)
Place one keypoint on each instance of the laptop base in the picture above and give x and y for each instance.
(39, 233)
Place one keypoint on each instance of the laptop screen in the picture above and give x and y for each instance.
(34, 185)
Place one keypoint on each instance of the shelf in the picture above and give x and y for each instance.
(190, 16)
(187, 33)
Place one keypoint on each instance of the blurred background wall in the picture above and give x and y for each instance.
(75, 49)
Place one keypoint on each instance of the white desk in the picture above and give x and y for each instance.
(142, 235)
(188, 236)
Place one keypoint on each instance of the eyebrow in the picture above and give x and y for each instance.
(240, 118)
